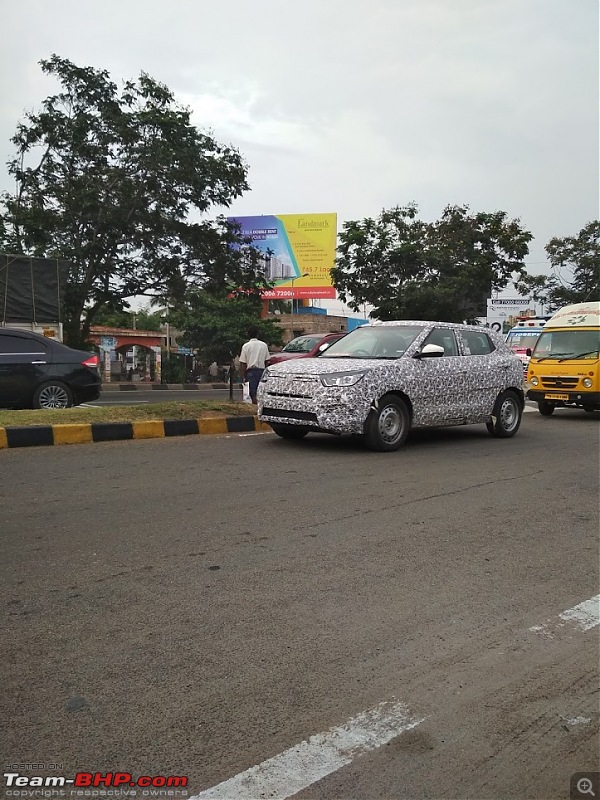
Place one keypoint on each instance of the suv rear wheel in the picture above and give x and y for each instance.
(506, 416)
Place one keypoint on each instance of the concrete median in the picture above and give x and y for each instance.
(161, 387)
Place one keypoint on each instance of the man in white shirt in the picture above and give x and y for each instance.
(252, 361)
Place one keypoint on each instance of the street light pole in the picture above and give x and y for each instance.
(304, 275)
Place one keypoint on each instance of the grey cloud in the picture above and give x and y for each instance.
(352, 105)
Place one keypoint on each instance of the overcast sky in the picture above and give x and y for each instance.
(354, 105)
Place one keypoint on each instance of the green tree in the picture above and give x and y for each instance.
(142, 320)
(217, 325)
(575, 262)
(117, 181)
(445, 270)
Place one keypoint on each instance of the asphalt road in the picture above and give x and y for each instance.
(156, 396)
(197, 606)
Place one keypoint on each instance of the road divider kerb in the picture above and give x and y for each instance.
(86, 433)
(148, 429)
(162, 387)
(74, 433)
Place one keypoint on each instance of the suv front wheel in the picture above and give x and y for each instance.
(387, 426)
(289, 431)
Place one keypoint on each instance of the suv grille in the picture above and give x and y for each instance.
(301, 416)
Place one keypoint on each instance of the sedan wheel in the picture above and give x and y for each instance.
(53, 395)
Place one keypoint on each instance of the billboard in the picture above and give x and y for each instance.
(500, 310)
(298, 250)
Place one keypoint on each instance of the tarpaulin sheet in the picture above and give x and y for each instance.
(32, 289)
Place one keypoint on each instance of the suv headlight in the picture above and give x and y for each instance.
(533, 380)
(342, 378)
(588, 383)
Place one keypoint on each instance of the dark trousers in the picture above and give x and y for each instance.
(253, 376)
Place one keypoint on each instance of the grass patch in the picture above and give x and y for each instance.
(197, 409)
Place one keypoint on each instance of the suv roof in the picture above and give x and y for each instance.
(424, 322)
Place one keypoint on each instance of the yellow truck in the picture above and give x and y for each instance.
(563, 369)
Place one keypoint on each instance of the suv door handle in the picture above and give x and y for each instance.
(38, 362)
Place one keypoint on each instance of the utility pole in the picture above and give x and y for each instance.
(304, 275)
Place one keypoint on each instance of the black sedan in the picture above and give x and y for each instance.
(37, 372)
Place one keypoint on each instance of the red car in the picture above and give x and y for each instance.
(309, 345)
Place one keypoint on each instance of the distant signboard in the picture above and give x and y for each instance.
(185, 351)
(499, 309)
(108, 342)
(298, 251)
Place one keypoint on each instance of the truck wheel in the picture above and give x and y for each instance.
(507, 415)
(387, 426)
(545, 408)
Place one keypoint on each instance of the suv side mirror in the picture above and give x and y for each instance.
(528, 352)
(323, 347)
(430, 351)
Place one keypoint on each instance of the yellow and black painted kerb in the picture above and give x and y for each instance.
(84, 433)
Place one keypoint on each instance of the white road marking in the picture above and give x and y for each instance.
(583, 616)
(292, 771)
(121, 402)
(313, 759)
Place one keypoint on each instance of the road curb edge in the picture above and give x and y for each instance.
(87, 432)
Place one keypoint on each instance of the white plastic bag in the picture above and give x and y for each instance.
(246, 393)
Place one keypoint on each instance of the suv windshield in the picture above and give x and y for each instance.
(377, 341)
(565, 345)
(301, 344)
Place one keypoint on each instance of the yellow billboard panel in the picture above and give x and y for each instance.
(299, 252)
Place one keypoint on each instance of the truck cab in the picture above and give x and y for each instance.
(564, 365)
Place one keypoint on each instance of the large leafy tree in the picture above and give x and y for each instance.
(406, 268)
(575, 275)
(217, 324)
(118, 181)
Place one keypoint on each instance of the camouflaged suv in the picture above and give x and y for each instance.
(383, 379)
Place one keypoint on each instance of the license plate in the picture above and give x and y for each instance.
(556, 397)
